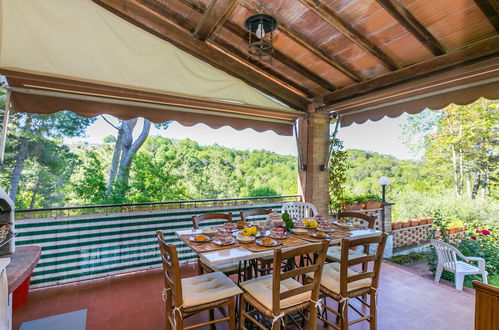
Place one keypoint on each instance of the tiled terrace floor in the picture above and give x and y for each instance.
(406, 301)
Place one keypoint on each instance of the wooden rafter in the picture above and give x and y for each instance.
(139, 15)
(215, 15)
(286, 60)
(302, 41)
(258, 64)
(491, 9)
(408, 21)
(480, 50)
(225, 46)
(279, 56)
(334, 20)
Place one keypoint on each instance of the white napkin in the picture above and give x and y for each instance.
(4, 295)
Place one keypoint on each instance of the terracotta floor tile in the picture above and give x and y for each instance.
(406, 301)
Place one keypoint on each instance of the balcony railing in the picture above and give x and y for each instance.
(87, 242)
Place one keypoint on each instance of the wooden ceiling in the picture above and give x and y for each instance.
(325, 50)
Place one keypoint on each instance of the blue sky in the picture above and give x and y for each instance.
(382, 136)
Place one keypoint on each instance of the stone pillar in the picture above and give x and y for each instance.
(313, 141)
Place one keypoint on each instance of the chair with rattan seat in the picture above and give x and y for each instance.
(276, 295)
(333, 253)
(262, 265)
(246, 214)
(188, 296)
(341, 283)
(210, 219)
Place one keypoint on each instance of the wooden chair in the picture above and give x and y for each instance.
(334, 252)
(197, 219)
(275, 296)
(299, 210)
(248, 213)
(341, 283)
(261, 265)
(228, 269)
(189, 296)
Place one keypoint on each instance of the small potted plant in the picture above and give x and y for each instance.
(406, 224)
(352, 203)
(396, 225)
(373, 201)
(414, 222)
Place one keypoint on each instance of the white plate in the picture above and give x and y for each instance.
(219, 243)
(193, 239)
(274, 243)
(278, 237)
(314, 234)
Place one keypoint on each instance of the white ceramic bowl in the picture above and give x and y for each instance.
(300, 231)
(245, 239)
(209, 231)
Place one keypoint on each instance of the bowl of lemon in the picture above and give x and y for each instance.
(310, 223)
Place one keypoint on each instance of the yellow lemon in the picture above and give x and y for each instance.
(247, 231)
(312, 224)
(254, 230)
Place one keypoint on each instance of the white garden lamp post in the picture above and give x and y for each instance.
(384, 181)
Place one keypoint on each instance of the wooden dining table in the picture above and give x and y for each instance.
(242, 252)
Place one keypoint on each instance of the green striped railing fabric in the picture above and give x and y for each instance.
(89, 246)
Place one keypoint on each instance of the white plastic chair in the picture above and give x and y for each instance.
(447, 260)
(299, 210)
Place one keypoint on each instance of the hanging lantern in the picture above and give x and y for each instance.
(260, 28)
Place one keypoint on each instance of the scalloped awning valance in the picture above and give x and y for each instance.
(75, 55)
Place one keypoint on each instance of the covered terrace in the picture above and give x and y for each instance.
(188, 61)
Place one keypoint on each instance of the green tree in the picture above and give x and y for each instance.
(28, 139)
(337, 175)
(462, 141)
(88, 184)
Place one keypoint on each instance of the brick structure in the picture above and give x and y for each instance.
(378, 213)
(411, 236)
(313, 143)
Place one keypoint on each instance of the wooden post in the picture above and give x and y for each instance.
(3, 137)
(313, 139)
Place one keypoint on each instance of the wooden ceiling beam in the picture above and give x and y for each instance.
(139, 15)
(334, 20)
(279, 56)
(227, 47)
(344, 68)
(411, 24)
(483, 49)
(215, 16)
(284, 59)
(491, 9)
(259, 65)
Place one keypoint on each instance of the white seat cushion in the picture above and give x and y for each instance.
(331, 279)
(261, 289)
(334, 252)
(207, 288)
(229, 268)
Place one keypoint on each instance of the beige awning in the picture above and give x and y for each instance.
(77, 47)
(461, 85)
